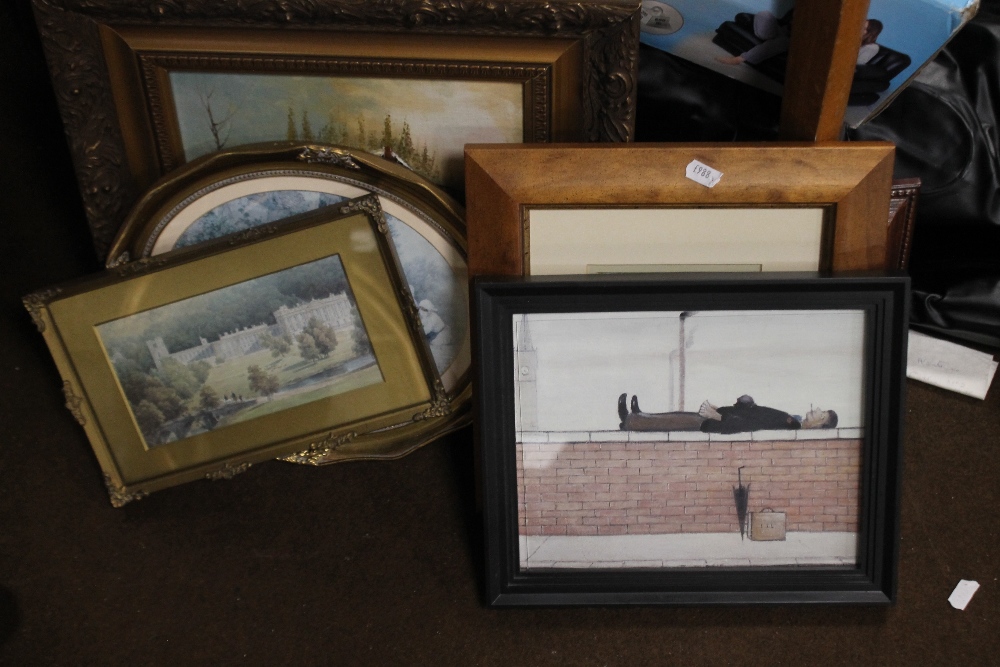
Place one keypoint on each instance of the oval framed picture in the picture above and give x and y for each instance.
(231, 192)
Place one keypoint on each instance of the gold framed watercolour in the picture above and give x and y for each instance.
(235, 191)
(575, 209)
(416, 79)
(299, 336)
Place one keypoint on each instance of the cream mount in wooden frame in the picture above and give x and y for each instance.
(572, 209)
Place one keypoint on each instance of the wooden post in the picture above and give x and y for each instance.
(826, 36)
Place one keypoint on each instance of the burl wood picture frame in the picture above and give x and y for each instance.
(570, 209)
(121, 68)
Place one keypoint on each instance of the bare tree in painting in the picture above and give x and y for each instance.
(392, 141)
(219, 127)
(387, 138)
(360, 143)
(307, 133)
(292, 133)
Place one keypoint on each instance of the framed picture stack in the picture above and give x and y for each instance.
(234, 192)
(669, 410)
(688, 359)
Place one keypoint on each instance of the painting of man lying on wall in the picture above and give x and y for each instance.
(603, 483)
(742, 417)
(787, 368)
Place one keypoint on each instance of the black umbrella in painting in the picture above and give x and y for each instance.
(741, 494)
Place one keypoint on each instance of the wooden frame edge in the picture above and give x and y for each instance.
(854, 178)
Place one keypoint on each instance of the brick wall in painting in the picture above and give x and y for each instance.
(617, 483)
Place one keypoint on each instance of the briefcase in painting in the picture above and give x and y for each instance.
(767, 525)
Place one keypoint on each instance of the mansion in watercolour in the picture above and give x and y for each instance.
(335, 311)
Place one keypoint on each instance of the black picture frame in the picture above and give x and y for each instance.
(870, 579)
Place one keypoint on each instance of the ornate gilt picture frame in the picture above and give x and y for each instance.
(299, 337)
(143, 89)
(233, 191)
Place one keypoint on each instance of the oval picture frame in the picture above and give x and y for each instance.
(232, 191)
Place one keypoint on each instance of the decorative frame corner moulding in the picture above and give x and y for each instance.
(567, 69)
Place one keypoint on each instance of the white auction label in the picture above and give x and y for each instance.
(960, 597)
(949, 366)
(699, 172)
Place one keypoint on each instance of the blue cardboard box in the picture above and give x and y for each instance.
(748, 40)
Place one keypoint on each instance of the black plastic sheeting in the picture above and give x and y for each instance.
(944, 125)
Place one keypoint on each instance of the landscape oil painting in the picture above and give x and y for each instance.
(422, 124)
(240, 352)
(689, 439)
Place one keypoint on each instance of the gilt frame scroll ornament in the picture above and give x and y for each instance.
(105, 89)
(35, 305)
(73, 403)
(117, 494)
(355, 357)
(228, 471)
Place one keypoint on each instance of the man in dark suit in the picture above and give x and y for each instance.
(741, 417)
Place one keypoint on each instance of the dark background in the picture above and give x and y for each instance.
(379, 563)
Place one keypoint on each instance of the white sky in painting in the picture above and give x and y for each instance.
(443, 114)
(789, 360)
